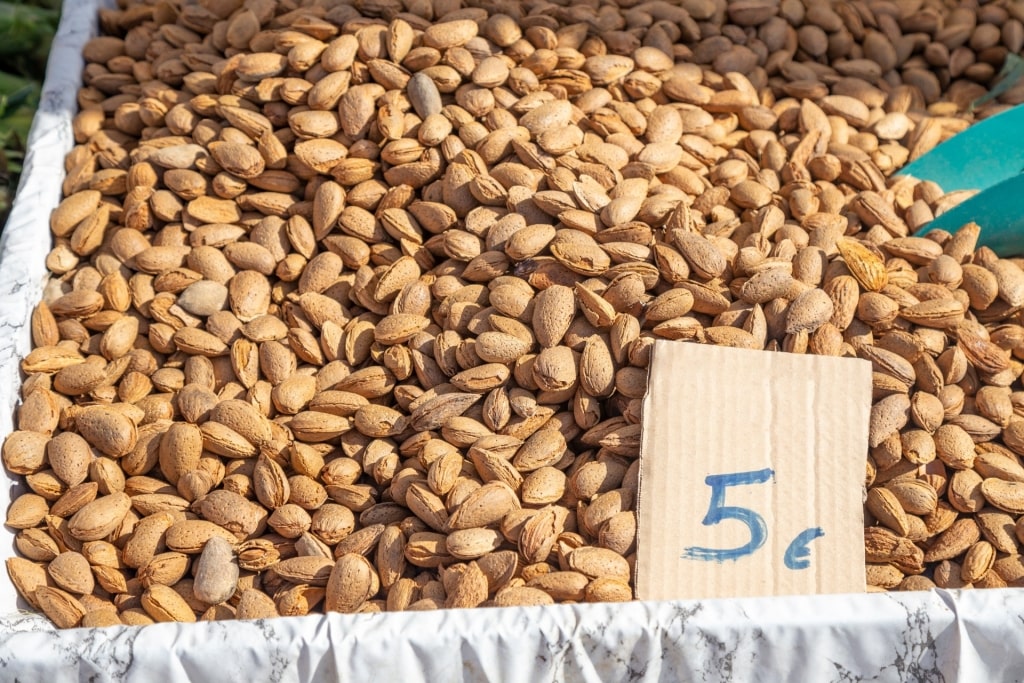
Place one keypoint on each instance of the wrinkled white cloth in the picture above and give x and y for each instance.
(926, 637)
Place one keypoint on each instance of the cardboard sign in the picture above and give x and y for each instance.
(751, 474)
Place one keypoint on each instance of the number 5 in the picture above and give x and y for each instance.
(718, 511)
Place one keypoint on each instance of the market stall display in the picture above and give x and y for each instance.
(369, 294)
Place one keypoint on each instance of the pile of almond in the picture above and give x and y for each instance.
(352, 302)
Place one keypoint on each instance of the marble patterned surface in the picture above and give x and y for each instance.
(926, 637)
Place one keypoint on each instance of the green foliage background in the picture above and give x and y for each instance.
(26, 32)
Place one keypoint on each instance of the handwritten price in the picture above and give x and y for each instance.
(797, 551)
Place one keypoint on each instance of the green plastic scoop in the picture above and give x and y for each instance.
(986, 157)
